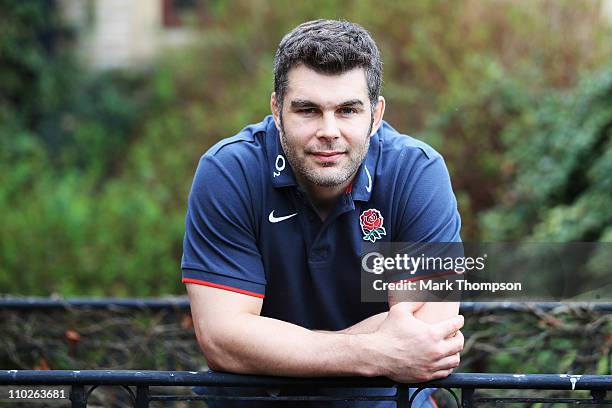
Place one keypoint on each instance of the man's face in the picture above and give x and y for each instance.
(325, 125)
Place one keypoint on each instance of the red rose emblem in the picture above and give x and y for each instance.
(371, 225)
(371, 219)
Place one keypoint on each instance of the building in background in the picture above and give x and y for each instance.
(129, 33)
(120, 33)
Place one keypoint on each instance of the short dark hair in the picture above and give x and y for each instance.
(331, 47)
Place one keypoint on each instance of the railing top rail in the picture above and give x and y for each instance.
(30, 303)
(186, 378)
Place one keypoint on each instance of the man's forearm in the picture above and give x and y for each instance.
(369, 325)
(268, 346)
(427, 312)
(236, 338)
(252, 344)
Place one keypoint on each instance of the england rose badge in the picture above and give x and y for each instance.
(372, 225)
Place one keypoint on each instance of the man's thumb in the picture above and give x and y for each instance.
(407, 307)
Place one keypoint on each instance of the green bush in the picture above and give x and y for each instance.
(95, 167)
(562, 185)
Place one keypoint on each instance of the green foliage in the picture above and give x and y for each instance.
(562, 341)
(95, 167)
(76, 339)
(471, 126)
(562, 185)
(74, 221)
(35, 71)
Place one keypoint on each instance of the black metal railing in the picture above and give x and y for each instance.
(182, 303)
(138, 386)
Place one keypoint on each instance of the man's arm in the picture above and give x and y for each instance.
(368, 325)
(429, 312)
(430, 216)
(235, 338)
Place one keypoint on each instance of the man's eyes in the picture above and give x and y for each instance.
(308, 111)
(343, 111)
(347, 111)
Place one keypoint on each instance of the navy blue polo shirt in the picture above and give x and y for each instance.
(251, 229)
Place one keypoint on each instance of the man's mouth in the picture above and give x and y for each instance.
(327, 157)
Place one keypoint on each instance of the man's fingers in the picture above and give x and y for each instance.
(458, 336)
(454, 344)
(441, 374)
(448, 363)
(448, 327)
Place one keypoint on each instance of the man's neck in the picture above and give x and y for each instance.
(324, 199)
(324, 207)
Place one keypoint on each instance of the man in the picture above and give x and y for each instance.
(276, 221)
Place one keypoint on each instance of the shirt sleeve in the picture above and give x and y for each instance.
(430, 223)
(220, 248)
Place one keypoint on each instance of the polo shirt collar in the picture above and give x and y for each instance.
(363, 184)
(281, 174)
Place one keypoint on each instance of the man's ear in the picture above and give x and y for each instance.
(379, 111)
(275, 108)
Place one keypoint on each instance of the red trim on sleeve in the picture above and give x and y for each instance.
(225, 287)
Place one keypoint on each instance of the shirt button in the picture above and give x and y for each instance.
(319, 254)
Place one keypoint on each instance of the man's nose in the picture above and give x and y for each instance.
(328, 127)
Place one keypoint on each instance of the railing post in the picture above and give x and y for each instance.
(403, 396)
(467, 398)
(78, 396)
(142, 396)
(598, 395)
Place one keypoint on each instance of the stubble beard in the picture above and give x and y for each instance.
(316, 177)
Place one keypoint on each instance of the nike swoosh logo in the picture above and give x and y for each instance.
(274, 219)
